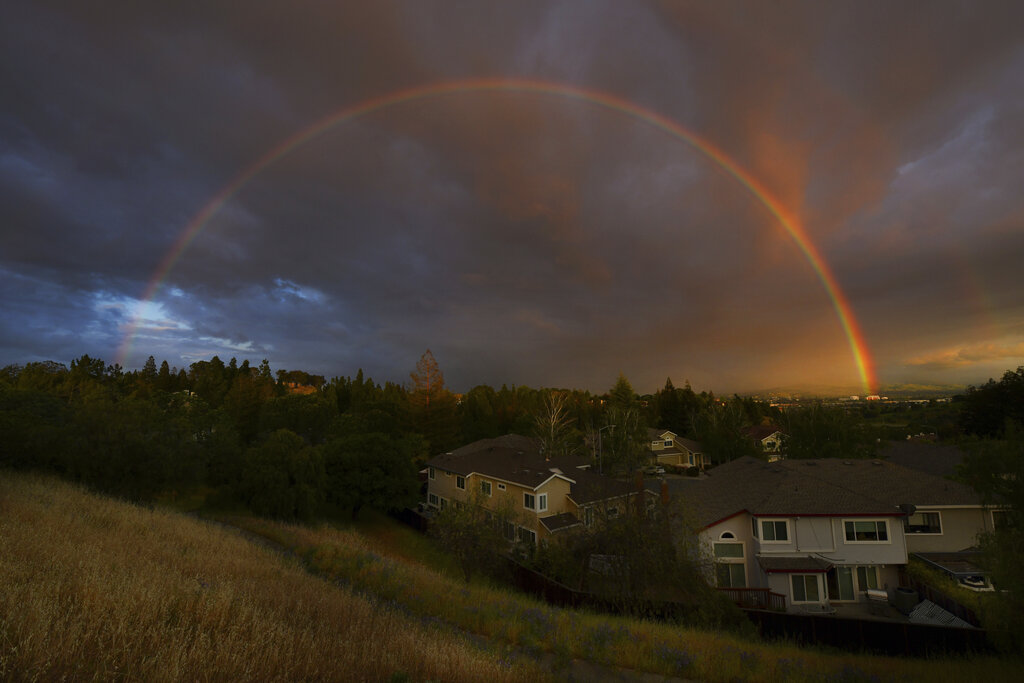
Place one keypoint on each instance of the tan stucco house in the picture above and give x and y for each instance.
(547, 496)
(667, 448)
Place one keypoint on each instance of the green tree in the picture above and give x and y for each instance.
(164, 380)
(622, 395)
(719, 427)
(995, 468)
(372, 470)
(283, 477)
(986, 410)
(819, 431)
(473, 534)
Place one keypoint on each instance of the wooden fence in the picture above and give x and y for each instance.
(927, 592)
(756, 598)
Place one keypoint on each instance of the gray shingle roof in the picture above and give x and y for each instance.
(818, 487)
(560, 522)
(517, 459)
(939, 460)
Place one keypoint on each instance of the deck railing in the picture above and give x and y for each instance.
(756, 598)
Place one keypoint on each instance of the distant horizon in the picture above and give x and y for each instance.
(805, 391)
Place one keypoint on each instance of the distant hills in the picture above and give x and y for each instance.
(824, 391)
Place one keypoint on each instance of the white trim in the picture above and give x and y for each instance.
(542, 502)
(788, 540)
(888, 534)
(906, 523)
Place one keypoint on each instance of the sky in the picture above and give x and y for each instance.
(742, 195)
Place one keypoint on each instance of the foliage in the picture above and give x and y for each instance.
(371, 470)
(719, 427)
(986, 410)
(283, 477)
(474, 534)
(995, 468)
(818, 431)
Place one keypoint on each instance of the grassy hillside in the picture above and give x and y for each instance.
(391, 562)
(95, 588)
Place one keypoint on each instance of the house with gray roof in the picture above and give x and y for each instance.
(667, 448)
(826, 531)
(547, 496)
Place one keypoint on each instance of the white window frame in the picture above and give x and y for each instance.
(529, 501)
(485, 487)
(430, 472)
(906, 524)
(773, 521)
(523, 531)
(542, 502)
(888, 536)
(588, 516)
(817, 581)
(460, 482)
(432, 500)
(501, 487)
(668, 442)
(612, 512)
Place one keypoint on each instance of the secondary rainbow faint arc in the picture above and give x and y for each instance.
(855, 337)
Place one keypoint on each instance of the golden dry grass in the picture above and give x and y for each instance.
(642, 646)
(92, 588)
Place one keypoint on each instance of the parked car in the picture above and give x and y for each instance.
(654, 470)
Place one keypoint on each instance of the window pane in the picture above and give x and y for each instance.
(780, 532)
(845, 583)
(737, 577)
(722, 576)
(882, 533)
(798, 589)
(812, 587)
(769, 531)
(728, 550)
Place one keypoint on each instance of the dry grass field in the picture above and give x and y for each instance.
(365, 557)
(92, 588)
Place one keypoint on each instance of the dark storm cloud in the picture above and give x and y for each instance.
(525, 238)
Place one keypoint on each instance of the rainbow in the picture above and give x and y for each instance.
(840, 303)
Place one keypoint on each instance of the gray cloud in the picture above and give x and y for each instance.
(524, 238)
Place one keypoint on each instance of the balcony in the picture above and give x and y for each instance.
(756, 598)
